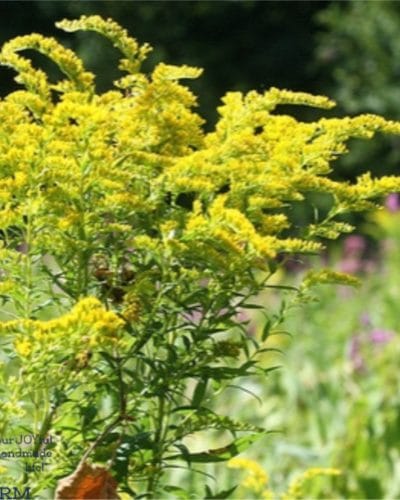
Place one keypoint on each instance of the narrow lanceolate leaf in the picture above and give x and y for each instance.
(220, 454)
(226, 372)
(199, 392)
(209, 495)
(266, 329)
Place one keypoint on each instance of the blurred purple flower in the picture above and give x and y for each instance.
(295, 265)
(379, 336)
(365, 319)
(243, 317)
(393, 202)
(354, 244)
(360, 345)
(355, 355)
(351, 265)
(353, 257)
(195, 316)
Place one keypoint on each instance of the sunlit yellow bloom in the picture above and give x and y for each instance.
(326, 276)
(23, 347)
(88, 321)
(297, 488)
(257, 478)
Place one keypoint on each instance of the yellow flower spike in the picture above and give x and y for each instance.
(35, 80)
(66, 60)
(39, 335)
(23, 347)
(169, 72)
(229, 241)
(326, 276)
(265, 246)
(87, 319)
(275, 96)
(131, 311)
(296, 489)
(268, 495)
(134, 54)
(14, 408)
(257, 479)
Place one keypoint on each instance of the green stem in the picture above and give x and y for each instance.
(44, 429)
(83, 259)
(122, 411)
(99, 439)
(83, 270)
(27, 259)
(158, 450)
(120, 419)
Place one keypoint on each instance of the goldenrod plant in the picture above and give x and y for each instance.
(131, 241)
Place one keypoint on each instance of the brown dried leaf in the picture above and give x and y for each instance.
(87, 482)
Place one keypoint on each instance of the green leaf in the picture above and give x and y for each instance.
(199, 392)
(177, 491)
(225, 372)
(209, 495)
(187, 343)
(247, 391)
(88, 413)
(252, 306)
(371, 487)
(270, 349)
(270, 369)
(266, 329)
(220, 454)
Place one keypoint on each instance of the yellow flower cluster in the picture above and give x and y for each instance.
(131, 310)
(326, 276)
(134, 54)
(88, 325)
(257, 478)
(65, 59)
(297, 488)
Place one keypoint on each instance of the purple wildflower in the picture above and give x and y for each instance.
(351, 265)
(365, 319)
(362, 345)
(353, 258)
(354, 245)
(355, 355)
(393, 202)
(245, 319)
(379, 336)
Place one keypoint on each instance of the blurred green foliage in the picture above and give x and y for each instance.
(361, 44)
(359, 48)
(336, 400)
(340, 383)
